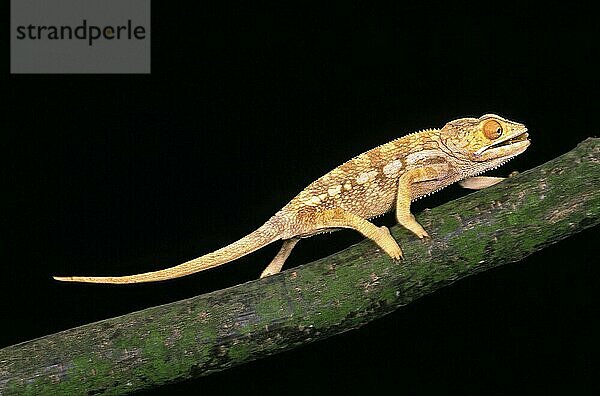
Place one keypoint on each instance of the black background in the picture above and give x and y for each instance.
(119, 174)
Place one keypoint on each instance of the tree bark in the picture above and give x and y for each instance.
(211, 332)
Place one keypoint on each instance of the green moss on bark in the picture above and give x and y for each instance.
(228, 327)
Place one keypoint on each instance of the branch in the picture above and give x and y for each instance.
(214, 331)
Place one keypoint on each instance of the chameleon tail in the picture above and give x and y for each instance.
(267, 233)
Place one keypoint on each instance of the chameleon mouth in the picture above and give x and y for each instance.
(509, 147)
(522, 137)
(515, 139)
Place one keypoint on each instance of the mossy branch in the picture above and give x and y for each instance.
(212, 332)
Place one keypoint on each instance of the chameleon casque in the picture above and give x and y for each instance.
(389, 176)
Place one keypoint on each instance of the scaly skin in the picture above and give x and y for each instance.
(389, 176)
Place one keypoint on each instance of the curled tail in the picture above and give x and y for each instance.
(267, 233)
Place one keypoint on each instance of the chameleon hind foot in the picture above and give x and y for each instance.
(277, 263)
(389, 244)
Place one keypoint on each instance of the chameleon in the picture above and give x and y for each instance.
(387, 177)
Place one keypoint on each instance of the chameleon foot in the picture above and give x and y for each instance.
(409, 222)
(389, 244)
(275, 266)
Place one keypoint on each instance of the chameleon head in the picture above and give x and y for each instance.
(489, 139)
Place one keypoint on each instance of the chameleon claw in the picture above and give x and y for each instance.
(420, 232)
(424, 235)
(390, 246)
(396, 255)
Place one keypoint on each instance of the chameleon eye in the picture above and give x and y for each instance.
(492, 129)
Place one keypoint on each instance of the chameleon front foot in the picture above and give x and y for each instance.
(408, 221)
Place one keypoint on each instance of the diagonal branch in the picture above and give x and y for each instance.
(212, 332)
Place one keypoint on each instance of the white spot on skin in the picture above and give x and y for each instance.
(414, 158)
(333, 191)
(365, 177)
(391, 169)
(314, 200)
(322, 196)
